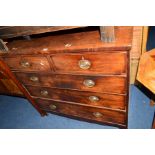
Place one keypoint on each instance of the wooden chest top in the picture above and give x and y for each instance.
(82, 41)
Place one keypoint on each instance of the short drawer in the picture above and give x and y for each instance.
(92, 63)
(106, 84)
(89, 98)
(27, 63)
(91, 113)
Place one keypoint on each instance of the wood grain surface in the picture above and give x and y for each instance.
(35, 63)
(106, 84)
(146, 72)
(15, 31)
(101, 63)
(74, 42)
(82, 97)
(110, 116)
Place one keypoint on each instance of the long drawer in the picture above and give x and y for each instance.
(107, 84)
(92, 63)
(28, 63)
(88, 98)
(91, 113)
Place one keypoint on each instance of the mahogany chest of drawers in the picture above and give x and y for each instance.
(76, 74)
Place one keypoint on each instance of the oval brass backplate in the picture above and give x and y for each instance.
(89, 83)
(53, 107)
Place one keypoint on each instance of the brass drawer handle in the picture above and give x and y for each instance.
(97, 114)
(52, 107)
(94, 98)
(89, 83)
(34, 78)
(84, 64)
(44, 92)
(25, 64)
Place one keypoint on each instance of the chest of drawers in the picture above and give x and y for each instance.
(76, 74)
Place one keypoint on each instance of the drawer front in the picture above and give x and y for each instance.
(112, 84)
(94, 63)
(26, 63)
(98, 114)
(89, 98)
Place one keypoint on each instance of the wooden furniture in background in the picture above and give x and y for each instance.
(139, 41)
(16, 31)
(107, 32)
(146, 70)
(144, 38)
(7, 86)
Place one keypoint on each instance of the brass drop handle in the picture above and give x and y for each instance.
(34, 78)
(25, 64)
(44, 92)
(94, 98)
(89, 83)
(52, 107)
(84, 64)
(97, 114)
